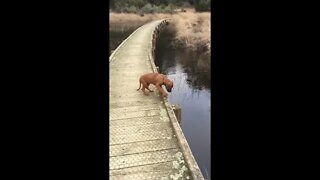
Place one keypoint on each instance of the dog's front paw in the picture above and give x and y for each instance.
(165, 95)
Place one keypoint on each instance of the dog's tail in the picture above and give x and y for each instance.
(139, 85)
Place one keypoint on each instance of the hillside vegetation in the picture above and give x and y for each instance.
(157, 6)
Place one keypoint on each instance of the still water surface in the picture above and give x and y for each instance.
(190, 73)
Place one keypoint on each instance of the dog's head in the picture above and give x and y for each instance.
(169, 85)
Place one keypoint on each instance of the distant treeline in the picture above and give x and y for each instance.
(158, 6)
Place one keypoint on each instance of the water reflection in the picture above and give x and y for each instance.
(195, 113)
(116, 37)
(165, 50)
(190, 72)
(197, 69)
(196, 65)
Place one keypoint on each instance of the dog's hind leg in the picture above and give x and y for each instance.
(144, 91)
(148, 87)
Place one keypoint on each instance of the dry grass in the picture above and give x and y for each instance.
(192, 29)
(120, 21)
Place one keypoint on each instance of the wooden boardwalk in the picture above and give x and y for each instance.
(146, 141)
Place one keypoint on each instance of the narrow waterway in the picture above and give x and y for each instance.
(190, 72)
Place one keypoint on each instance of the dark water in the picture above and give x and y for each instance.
(116, 37)
(190, 73)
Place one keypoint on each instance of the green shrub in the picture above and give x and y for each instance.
(131, 9)
(157, 9)
(203, 5)
(147, 8)
(162, 6)
(168, 9)
(118, 9)
(139, 3)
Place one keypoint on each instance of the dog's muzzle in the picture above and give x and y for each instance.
(168, 88)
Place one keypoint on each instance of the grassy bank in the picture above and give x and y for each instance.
(192, 29)
(123, 21)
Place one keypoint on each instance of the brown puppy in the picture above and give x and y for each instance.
(156, 79)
